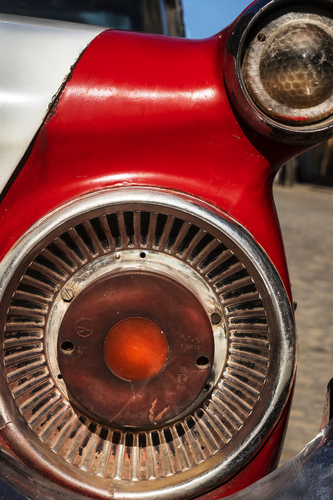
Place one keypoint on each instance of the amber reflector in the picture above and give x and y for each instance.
(135, 349)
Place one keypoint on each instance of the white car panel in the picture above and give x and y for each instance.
(35, 58)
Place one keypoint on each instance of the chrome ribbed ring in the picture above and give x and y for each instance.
(205, 252)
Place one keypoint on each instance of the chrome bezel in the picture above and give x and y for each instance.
(253, 21)
(267, 412)
(129, 260)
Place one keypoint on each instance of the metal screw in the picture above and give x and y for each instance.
(67, 294)
(215, 318)
(261, 37)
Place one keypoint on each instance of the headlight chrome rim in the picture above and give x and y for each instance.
(278, 127)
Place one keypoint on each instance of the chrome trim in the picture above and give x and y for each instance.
(218, 465)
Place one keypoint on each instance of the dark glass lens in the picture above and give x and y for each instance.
(296, 65)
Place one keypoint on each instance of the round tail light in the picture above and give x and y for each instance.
(148, 346)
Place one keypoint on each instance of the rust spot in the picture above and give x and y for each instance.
(152, 417)
(151, 411)
(160, 415)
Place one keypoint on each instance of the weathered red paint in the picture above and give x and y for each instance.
(147, 110)
(153, 111)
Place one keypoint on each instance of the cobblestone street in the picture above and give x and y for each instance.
(306, 217)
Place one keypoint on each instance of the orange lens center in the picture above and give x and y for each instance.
(135, 349)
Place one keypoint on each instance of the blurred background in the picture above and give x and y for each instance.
(203, 19)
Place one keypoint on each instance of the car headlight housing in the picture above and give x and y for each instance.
(279, 71)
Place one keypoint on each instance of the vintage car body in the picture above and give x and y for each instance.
(139, 186)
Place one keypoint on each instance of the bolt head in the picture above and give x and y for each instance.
(67, 294)
(215, 318)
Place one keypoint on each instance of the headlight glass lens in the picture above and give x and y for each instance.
(296, 65)
(288, 68)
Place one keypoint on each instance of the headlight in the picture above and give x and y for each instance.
(284, 72)
(110, 269)
(288, 68)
